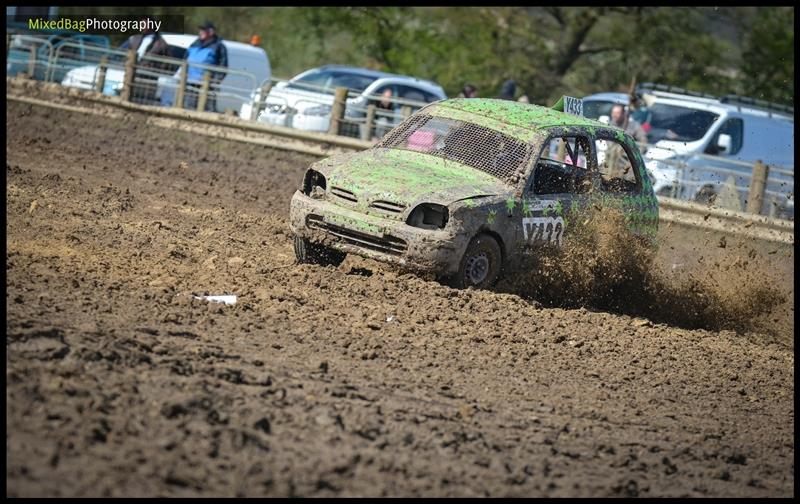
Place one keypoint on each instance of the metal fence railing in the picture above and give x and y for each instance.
(28, 54)
(724, 182)
(171, 82)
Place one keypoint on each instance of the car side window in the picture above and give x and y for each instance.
(413, 94)
(618, 173)
(379, 92)
(734, 127)
(430, 97)
(564, 166)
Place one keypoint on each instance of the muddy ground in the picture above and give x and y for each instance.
(360, 380)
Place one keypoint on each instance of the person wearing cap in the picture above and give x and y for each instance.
(208, 49)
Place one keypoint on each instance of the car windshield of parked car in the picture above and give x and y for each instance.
(326, 81)
(487, 150)
(680, 124)
(595, 109)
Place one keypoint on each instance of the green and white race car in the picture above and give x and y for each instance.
(468, 188)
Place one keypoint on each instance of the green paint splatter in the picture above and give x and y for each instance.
(526, 208)
(510, 204)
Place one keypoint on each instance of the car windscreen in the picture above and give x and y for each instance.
(326, 81)
(681, 124)
(482, 148)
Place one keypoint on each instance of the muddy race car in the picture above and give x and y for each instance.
(469, 188)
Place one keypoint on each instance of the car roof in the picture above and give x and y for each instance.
(376, 74)
(718, 107)
(696, 102)
(519, 115)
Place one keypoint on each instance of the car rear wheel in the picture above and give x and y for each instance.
(307, 252)
(480, 266)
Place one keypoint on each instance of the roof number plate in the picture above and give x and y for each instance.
(573, 106)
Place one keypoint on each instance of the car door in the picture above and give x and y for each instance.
(621, 177)
(561, 181)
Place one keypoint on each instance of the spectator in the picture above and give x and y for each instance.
(633, 128)
(147, 43)
(468, 91)
(385, 102)
(384, 108)
(507, 90)
(208, 49)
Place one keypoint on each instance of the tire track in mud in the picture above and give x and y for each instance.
(360, 380)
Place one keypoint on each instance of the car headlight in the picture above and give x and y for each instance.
(428, 216)
(314, 184)
(319, 110)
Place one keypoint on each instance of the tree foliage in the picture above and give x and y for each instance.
(548, 51)
(768, 56)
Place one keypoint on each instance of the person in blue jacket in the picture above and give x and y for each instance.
(208, 49)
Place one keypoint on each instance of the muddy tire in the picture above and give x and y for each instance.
(480, 266)
(311, 253)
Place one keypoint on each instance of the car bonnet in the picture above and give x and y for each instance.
(408, 177)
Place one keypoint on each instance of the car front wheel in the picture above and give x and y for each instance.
(307, 252)
(480, 266)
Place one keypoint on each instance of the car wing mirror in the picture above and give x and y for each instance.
(724, 143)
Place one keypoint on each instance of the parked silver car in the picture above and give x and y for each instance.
(305, 101)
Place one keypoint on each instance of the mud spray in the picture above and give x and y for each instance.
(603, 266)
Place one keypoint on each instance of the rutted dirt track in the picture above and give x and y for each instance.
(352, 381)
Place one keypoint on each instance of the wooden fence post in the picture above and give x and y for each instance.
(180, 92)
(203, 98)
(369, 122)
(32, 62)
(101, 74)
(262, 102)
(758, 183)
(337, 111)
(130, 68)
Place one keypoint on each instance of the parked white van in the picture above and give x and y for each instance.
(700, 146)
(248, 67)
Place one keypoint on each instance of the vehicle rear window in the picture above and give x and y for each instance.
(487, 150)
(669, 122)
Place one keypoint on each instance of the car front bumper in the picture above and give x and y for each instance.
(383, 239)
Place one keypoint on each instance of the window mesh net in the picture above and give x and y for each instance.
(487, 150)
